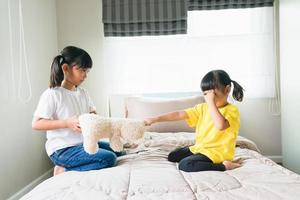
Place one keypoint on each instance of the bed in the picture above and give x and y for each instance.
(145, 173)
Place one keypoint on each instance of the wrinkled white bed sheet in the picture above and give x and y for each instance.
(144, 173)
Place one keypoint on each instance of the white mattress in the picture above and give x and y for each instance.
(145, 174)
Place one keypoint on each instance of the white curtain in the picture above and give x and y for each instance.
(240, 41)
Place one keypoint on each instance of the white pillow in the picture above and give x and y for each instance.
(144, 107)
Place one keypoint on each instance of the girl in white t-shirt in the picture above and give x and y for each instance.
(58, 110)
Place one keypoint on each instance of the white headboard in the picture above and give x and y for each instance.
(116, 107)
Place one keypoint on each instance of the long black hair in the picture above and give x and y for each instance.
(219, 79)
(72, 56)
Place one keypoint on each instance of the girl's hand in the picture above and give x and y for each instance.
(209, 96)
(73, 123)
(149, 121)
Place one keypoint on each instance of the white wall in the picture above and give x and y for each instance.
(79, 23)
(290, 84)
(86, 31)
(261, 126)
(22, 152)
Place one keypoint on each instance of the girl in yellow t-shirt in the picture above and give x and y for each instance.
(217, 123)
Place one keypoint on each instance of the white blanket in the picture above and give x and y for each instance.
(145, 173)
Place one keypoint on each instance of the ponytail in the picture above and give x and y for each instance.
(56, 75)
(237, 93)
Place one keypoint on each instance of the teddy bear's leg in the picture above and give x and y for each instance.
(90, 145)
(115, 141)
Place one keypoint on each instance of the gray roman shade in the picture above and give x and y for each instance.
(144, 17)
(160, 17)
(226, 4)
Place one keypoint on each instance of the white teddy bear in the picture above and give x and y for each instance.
(95, 127)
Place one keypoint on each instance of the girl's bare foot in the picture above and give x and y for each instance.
(58, 170)
(230, 165)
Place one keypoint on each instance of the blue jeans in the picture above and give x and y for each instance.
(76, 159)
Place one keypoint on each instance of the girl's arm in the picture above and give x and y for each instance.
(42, 124)
(219, 120)
(173, 116)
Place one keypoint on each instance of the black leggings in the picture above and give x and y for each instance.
(190, 162)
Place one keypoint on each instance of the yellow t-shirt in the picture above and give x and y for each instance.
(218, 145)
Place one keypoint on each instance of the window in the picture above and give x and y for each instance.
(240, 41)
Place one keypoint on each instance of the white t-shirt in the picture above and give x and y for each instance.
(57, 104)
